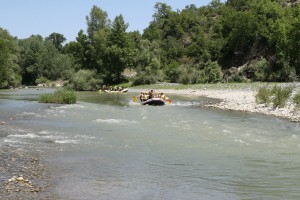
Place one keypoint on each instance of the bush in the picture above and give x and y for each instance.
(211, 73)
(296, 100)
(237, 78)
(148, 76)
(260, 70)
(281, 95)
(144, 80)
(284, 72)
(278, 95)
(263, 95)
(41, 80)
(85, 80)
(173, 72)
(59, 97)
(188, 75)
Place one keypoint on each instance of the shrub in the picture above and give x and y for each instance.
(59, 97)
(296, 100)
(211, 73)
(144, 80)
(173, 72)
(263, 95)
(281, 95)
(85, 80)
(284, 72)
(188, 75)
(237, 78)
(260, 69)
(148, 76)
(41, 80)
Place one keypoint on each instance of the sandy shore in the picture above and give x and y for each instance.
(240, 100)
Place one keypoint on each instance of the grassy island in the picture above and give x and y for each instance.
(59, 97)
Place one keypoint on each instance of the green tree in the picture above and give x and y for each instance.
(30, 52)
(211, 73)
(57, 40)
(97, 20)
(119, 51)
(155, 30)
(240, 5)
(148, 63)
(85, 80)
(40, 58)
(239, 37)
(294, 35)
(9, 70)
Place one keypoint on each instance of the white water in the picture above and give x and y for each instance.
(106, 147)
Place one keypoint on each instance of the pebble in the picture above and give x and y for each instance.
(20, 179)
(16, 166)
(242, 100)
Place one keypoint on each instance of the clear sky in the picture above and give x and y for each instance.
(23, 18)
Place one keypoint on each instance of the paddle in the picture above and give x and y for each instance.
(134, 99)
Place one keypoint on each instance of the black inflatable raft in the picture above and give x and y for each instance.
(154, 102)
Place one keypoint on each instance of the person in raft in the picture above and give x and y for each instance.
(151, 94)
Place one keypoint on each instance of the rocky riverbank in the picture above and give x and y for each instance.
(23, 176)
(242, 100)
(239, 100)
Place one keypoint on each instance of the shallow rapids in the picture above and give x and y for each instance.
(107, 147)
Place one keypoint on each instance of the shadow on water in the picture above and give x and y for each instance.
(104, 98)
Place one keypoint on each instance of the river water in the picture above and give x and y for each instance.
(107, 147)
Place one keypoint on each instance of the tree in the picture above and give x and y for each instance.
(41, 59)
(211, 73)
(57, 40)
(156, 28)
(119, 51)
(294, 35)
(162, 11)
(239, 37)
(30, 51)
(9, 70)
(239, 5)
(97, 20)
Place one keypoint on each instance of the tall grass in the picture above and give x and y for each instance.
(281, 95)
(263, 95)
(296, 100)
(59, 97)
(277, 95)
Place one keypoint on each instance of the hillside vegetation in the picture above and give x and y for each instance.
(236, 41)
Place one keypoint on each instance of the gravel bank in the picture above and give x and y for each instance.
(239, 100)
(23, 176)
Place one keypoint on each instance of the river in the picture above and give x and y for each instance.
(107, 147)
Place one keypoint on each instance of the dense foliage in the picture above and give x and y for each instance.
(10, 72)
(236, 41)
(59, 97)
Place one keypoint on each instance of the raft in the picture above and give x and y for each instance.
(154, 102)
(112, 91)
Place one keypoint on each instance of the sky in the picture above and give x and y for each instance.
(23, 18)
